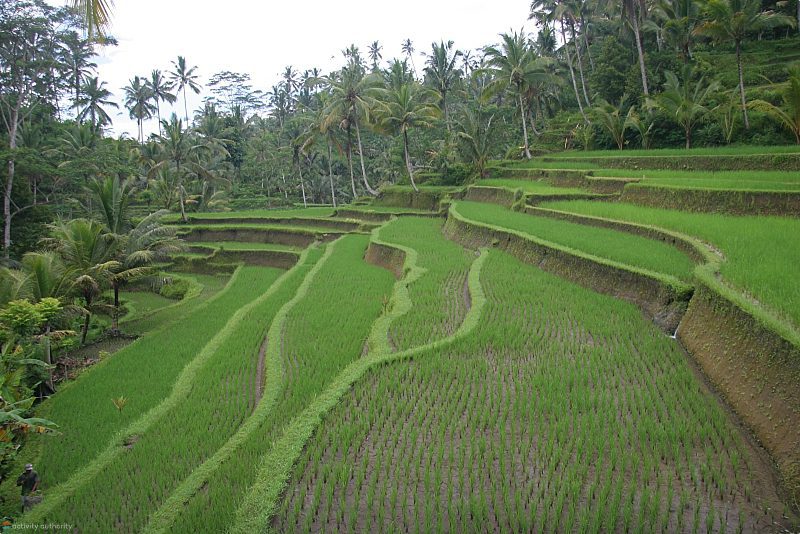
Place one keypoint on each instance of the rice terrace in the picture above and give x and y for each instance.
(545, 281)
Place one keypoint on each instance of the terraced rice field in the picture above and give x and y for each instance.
(420, 386)
(564, 410)
(758, 251)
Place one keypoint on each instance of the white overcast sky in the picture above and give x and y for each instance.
(261, 38)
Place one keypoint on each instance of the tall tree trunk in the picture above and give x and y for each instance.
(637, 35)
(408, 161)
(12, 146)
(688, 131)
(302, 186)
(361, 158)
(572, 71)
(444, 110)
(285, 187)
(158, 111)
(48, 357)
(585, 34)
(350, 161)
(524, 125)
(185, 107)
(580, 63)
(85, 329)
(330, 174)
(741, 83)
(115, 318)
(181, 195)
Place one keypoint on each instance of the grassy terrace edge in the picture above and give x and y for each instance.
(261, 501)
(166, 514)
(178, 393)
(725, 331)
(662, 297)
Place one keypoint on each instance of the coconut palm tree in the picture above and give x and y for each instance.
(406, 107)
(408, 49)
(88, 252)
(145, 244)
(474, 131)
(178, 147)
(95, 97)
(182, 77)
(441, 72)
(137, 100)
(634, 12)
(515, 66)
(685, 101)
(113, 198)
(374, 52)
(96, 15)
(789, 114)
(350, 102)
(76, 55)
(733, 20)
(161, 89)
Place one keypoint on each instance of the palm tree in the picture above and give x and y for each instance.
(374, 52)
(613, 120)
(160, 88)
(475, 132)
(146, 243)
(789, 114)
(88, 253)
(95, 96)
(77, 56)
(733, 20)
(406, 107)
(442, 73)
(635, 11)
(408, 49)
(679, 19)
(96, 15)
(137, 100)
(350, 101)
(685, 102)
(178, 148)
(113, 198)
(183, 77)
(515, 66)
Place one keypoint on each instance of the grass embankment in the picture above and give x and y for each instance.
(202, 288)
(761, 253)
(300, 212)
(323, 332)
(738, 150)
(142, 372)
(227, 388)
(620, 247)
(530, 186)
(564, 410)
(730, 180)
(239, 245)
(439, 296)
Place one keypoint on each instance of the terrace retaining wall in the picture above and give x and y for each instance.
(660, 301)
(390, 258)
(298, 239)
(495, 195)
(755, 369)
(347, 226)
(419, 200)
(782, 203)
(732, 162)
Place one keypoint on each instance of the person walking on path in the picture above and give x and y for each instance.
(29, 480)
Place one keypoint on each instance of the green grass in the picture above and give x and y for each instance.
(617, 246)
(439, 296)
(261, 227)
(734, 180)
(324, 331)
(278, 213)
(225, 396)
(738, 150)
(140, 303)
(238, 245)
(530, 186)
(143, 372)
(383, 209)
(209, 285)
(560, 397)
(761, 253)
